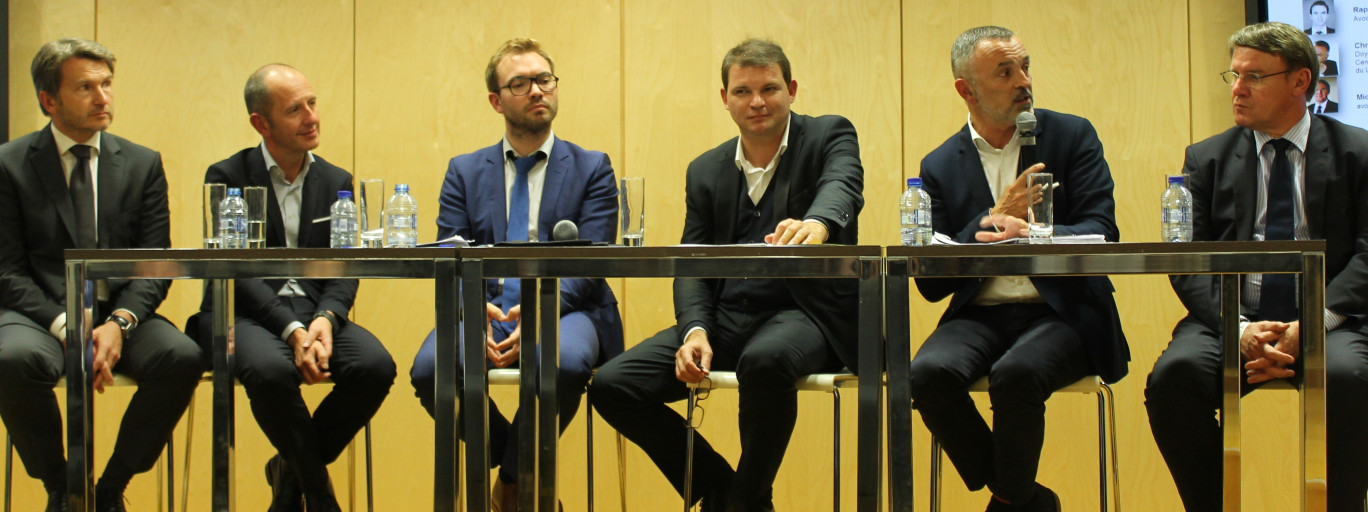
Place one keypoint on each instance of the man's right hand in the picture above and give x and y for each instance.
(306, 357)
(694, 357)
(1016, 199)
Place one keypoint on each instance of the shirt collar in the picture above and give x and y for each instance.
(982, 143)
(278, 174)
(741, 162)
(544, 148)
(64, 143)
(1297, 134)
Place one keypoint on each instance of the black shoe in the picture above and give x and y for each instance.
(285, 493)
(1044, 500)
(322, 504)
(108, 500)
(57, 502)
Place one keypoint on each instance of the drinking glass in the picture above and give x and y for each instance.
(372, 205)
(213, 195)
(1041, 213)
(256, 216)
(633, 209)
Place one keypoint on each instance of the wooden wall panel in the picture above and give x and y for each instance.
(401, 91)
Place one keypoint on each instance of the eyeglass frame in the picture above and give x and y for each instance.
(700, 393)
(555, 81)
(1230, 77)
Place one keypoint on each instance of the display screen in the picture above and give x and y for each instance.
(1337, 30)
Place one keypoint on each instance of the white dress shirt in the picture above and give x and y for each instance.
(1000, 168)
(289, 198)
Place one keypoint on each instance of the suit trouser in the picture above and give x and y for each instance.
(768, 350)
(1184, 392)
(1027, 351)
(163, 361)
(362, 373)
(579, 352)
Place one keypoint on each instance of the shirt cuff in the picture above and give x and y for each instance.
(1244, 324)
(58, 327)
(1333, 320)
(285, 335)
(691, 331)
(819, 221)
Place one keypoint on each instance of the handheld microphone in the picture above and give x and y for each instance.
(564, 231)
(1026, 125)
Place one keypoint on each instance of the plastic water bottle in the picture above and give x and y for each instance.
(1176, 217)
(233, 220)
(915, 207)
(343, 230)
(401, 219)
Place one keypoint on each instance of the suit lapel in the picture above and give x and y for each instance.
(1243, 171)
(972, 167)
(258, 176)
(724, 207)
(1319, 164)
(556, 164)
(112, 184)
(45, 161)
(493, 189)
(313, 196)
(783, 173)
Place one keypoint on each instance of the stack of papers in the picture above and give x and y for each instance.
(943, 239)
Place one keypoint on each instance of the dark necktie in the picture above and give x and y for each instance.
(517, 220)
(82, 197)
(1278, 292)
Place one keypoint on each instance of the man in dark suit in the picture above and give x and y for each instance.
(72, 185)
(1327, 67)
(1279, 174)
(488, 197)
(1028, 335)
(1320, 102)
(293, 331)
(788, 179)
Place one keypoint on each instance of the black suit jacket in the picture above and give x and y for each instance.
(1328, 30)
(38, 223)
(818, 176)
(953, 176)
(1330, 107)
(1223, 178)
(256, 298)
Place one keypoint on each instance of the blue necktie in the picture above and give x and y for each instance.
(1278, 292)
(517, 221)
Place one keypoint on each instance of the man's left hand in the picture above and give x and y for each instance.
(1003, 227)
(108, 340)
(794, 232)
(1278, 357)
(320, 333)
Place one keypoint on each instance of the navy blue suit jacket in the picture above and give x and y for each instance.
(579, 187)
(1222, 176)
(953, 176)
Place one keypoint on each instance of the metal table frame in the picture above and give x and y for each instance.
(541, 267)
(221, 267)
(1229, 259)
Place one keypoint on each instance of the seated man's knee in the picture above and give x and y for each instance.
(1176, 377)
(766, 371)
(930, 378)
(1019, 380)
(28, 367)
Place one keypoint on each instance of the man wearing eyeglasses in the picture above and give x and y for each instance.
(517, 190)
(1281, 173)
(787, 179)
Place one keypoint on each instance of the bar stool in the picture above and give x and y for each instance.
(512, 377)
(1106, 433)
(168, 461)
(824, 382)
(351, 460)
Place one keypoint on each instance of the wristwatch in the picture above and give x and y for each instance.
(125, 325)
(332, 318)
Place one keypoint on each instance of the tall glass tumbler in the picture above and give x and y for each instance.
(256, 216)
(372, 207)
(213, 195)
(632, 194)
(1041, 213)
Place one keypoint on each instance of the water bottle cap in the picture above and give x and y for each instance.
(402, 187)
(1176, 179)
(234, 191)
(914, 182)
(344, 194)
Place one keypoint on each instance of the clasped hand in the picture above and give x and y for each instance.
(1270, 349)
(504, 353)
(312, 349)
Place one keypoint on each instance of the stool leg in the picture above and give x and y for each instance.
(351, 475)
(935, 474)
(185, 468)
(589, 449)
(171, 474)
(1102, 450)
(161, 484)
(9, 468)
(836, 450)
(370, 475)
(688, 451)
(622, 470)
(1115, 456)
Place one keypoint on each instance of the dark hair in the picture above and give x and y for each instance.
(756, 53)
(1281, 39)
(47, 64)
(1323, 44)
(1320, 3)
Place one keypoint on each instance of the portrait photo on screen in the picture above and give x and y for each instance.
(1319, 19)
(1327, 52)
(1325, 98)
